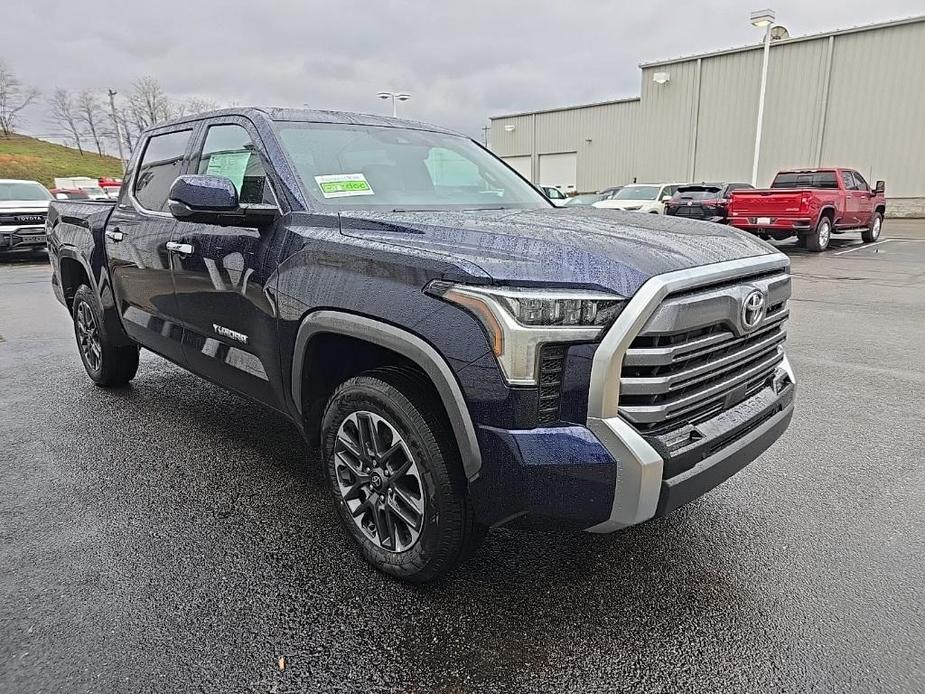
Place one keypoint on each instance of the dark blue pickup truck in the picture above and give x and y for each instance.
(458, 353)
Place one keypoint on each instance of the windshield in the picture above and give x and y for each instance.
(585, 199)
(638, 193)
(363, 166)
(23, 190)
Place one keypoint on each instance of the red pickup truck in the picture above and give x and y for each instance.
(811, 204)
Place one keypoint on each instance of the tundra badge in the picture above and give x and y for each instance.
(230, 334)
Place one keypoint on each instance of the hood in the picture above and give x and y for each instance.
(568, 247)
(24, 205)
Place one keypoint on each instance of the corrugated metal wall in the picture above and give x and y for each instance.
(851, 99)
(875, 119)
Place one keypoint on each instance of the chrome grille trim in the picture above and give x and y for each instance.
(639, 473)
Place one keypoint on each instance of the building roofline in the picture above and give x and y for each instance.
(565, 108)
(795, 39)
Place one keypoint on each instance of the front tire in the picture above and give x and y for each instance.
(395, 474)
(872, 232)
(818, 240)
(108, 365)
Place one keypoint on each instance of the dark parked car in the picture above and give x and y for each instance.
(458, 353)
(709, 201)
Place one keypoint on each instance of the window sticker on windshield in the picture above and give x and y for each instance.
(232, 165)
(343, 185)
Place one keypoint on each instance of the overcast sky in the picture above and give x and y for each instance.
(463, 61)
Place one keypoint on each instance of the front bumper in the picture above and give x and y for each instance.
(572, 477)
(22, 238)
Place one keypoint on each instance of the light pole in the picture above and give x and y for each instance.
(395, 97)
(761, 19)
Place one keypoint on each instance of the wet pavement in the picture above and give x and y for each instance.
(169, 537)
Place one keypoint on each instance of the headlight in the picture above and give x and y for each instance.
(520, 320)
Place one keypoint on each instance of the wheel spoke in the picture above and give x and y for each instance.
(403, 515)
(383, 459)
(352, 447)
(403, 470)
(355, 468)
(362, 508)
(366, 432)
(385, 526)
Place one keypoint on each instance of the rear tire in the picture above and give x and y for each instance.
(872, 232)
(108, 365)
(818, 240)
(408, 512)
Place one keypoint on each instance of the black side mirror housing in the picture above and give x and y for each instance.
(207, 199)
(880, 187)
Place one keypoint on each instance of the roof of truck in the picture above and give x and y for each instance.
(305, 115)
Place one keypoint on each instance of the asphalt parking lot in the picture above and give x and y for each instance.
(168, 537)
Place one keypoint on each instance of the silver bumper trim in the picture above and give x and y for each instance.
(639, 466)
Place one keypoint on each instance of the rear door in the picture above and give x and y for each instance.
(223, 282)
(136, 240)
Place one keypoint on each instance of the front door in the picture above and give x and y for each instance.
(865, 200)
(852, 201)
(136, 238)
(222, 278)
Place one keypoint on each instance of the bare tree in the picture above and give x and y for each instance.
(148, 103)
(192, 106)
(64, 114)
(90, 114)
(14, 97)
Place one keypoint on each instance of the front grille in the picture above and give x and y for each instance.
(23, 219)
(552, 361)
(691, 361)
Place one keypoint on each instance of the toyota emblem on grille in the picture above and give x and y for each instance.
(752, 310)
(30, 218)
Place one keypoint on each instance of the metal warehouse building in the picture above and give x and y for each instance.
(853, 97)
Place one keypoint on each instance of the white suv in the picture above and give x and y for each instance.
(641, 197)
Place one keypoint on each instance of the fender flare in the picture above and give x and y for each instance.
(408, 345)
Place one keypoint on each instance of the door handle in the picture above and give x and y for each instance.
(114, 235)
(181, 248)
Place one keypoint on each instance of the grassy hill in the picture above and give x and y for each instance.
(37, 160)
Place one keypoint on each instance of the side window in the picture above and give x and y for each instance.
(861, 183)
(824, 179)
(160, 164)
(848, 180)
(229, 151)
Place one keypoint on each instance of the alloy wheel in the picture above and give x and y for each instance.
(88, 337)
(876, 229)
(379, 481)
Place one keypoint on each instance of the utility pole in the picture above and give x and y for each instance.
(115, 121)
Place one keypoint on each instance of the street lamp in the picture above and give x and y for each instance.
(395, 97)
(761, 19)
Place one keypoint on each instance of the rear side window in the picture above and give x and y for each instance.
(229, 151)
(809, 179)
(161, 163)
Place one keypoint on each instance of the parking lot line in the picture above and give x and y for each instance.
(863, 245)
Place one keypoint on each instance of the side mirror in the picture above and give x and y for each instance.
(206, 199)
(880, 188)
(666, 198)
(202, 198)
